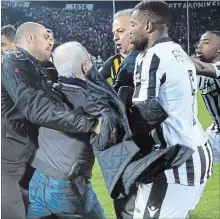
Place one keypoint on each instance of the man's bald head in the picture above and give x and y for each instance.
(28, 27)
(35, 39)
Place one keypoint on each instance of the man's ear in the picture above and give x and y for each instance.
(29, 38)
(149, 27)
(218, 50)
(86, 66)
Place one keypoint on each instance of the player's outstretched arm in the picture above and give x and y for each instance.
(206, 69)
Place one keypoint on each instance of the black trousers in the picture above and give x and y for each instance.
(16, 150)
(124, 207)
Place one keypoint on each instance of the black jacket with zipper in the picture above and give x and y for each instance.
(27, 97)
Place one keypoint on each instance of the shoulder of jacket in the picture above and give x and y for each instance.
(17, 55)
(112, 58)
(131, 57)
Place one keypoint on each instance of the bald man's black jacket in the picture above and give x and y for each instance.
(28, 97)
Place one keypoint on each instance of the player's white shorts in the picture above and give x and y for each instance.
(160, 200)
(214, 139)
(199, 195)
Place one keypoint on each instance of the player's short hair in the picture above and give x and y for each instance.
(9, 32)
(156, 11)
(126, 12)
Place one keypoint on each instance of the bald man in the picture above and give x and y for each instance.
(27, 103)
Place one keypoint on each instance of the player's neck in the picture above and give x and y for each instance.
(154, 37)
(217, 59)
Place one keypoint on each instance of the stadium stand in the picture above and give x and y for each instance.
(92, 28)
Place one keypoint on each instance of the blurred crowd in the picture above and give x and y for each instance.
(200, 20)
(93, 28)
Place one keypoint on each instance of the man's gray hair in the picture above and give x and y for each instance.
(68, 59)
(126, 12)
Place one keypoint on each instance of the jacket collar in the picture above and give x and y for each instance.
(29, 55)
(162, 40)
(73, 81)
(134, 52)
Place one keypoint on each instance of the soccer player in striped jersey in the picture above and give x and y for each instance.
(165, 73)
(121, 37)
(209, 84)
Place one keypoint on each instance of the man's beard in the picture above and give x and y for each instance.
(140, 44)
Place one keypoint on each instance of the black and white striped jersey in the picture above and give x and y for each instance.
(210, 90)
(165, 71)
